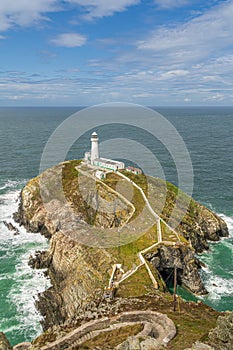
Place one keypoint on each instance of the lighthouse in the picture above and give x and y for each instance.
(93, 157)
(94, 147)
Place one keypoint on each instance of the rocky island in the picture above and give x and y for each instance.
(105, 295)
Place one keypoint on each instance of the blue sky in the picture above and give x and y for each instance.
(85, 52)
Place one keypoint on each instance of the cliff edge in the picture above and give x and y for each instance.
(79, 270)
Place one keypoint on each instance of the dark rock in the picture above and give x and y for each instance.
(166, 258)
(203, 227)
(50, 305)
(11, 227)
(41, 260)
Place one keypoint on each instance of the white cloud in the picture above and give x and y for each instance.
(69, 40)
(216, 97)
(28, 12)
(103, 8)
(24, 12)
(196, 39)
(174, 74)
(167, 4)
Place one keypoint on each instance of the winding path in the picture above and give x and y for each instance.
(157, 326)
(158, 219)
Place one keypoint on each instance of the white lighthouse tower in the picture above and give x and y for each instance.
(94, 147)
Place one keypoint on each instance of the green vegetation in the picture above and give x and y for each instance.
(193, 320)
(136, 285)
(167, 234)
(193, 323)
(140, 180)
(128, 191)
(127, 254)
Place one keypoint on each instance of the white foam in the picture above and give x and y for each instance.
(216, 285)
(8, 202)
(28, 282)
(229, 222)
(25, 292)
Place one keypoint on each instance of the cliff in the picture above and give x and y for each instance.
(79, 271)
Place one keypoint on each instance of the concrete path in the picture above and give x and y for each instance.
(158, 220)
(156, 325)
(157, 217)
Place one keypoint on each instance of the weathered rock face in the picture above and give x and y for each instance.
(4, 343)
(203, 227)
(78, 275)
(78, 272)
(57, 200)
(221, 337)
(165, 258)
(200, 346)
(195, 222)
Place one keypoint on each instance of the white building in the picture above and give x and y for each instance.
(94, 158)
(100, 174)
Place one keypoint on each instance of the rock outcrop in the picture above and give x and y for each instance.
(221, 337)
(200, 346)
(78, 275)
(202, 226)
(78, 272)
(57, 200)
(4, 343)
(11, 227)
(197, 223)
(165, 258)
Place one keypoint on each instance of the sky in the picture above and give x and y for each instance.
(86, 52)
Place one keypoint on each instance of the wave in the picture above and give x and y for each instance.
(8, 202)
(217, 286)
(217, 274)
(229, 222)
(13, 184)
(24, 293)
(26, 283)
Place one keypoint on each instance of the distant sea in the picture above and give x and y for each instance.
(24, 132)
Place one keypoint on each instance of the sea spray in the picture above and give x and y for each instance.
(19, 284)
(218, 271)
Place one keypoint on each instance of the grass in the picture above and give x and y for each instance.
(192, 325)
(193, 321)
(136, 285)
(167, 234)
(140, 180)
(127, 190)
(127, 254)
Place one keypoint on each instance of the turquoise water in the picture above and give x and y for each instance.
(23, 135)
(19, 284)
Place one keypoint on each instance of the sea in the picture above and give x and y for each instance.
(24, 132)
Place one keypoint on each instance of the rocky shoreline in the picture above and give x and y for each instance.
(79, 273)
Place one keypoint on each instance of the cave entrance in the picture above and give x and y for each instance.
(168, 277)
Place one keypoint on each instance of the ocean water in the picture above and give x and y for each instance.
(24, 132)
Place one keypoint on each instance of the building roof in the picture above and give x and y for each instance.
(108, 161)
